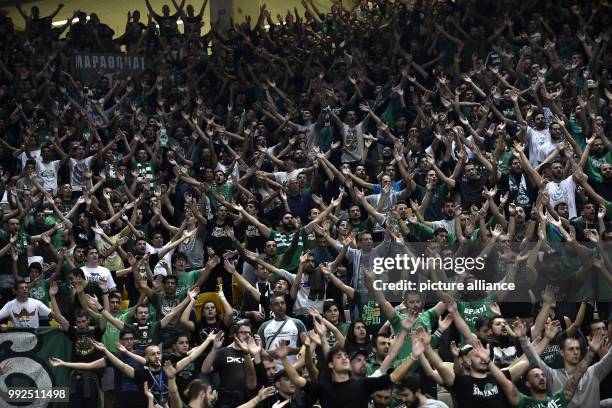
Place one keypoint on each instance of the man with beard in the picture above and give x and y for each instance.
(520, 188)
(152, 372)
(537, 380)
(471, 186)
(559, 190)
(339, 389)
(588, 219)
(477, 387)
(557, 131)
(534, 137)
(567, 378)
(409, 392)
(505, 347)
(359, 363)
(597, 162)
(447, 223)
(380, 346)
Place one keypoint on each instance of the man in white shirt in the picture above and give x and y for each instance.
(23, 310)
(535, 137)
(77, 166)
(352, 133)
(555, 139)
(47, 170)
(562, 190)
(282, 329)
(94, 272)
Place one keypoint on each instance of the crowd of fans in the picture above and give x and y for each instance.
(205, 231)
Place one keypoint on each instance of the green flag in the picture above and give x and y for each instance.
(24, 362)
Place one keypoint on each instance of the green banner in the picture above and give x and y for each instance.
(24, 362)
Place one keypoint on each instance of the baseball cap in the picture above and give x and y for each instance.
(35, 265)
(465, 350)
(359, 351)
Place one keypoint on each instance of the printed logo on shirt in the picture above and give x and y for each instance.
(231, 360)
(490, 390)
(24, 317)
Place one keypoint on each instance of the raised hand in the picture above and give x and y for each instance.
(519, 328)
(552, 329)
(281, 350)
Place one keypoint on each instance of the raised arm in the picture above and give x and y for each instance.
(126, 369)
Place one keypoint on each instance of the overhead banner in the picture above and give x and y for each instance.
(92, 66)
(24, 362)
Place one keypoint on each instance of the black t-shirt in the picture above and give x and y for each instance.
(250, 304)
(354, 393)
(126, 390)
(203, 329)
(83, 350)
(229, 363)
(146, 335)
(523, 194)
(189, 373)
(478, 392)
(217, 239)
(471, 191)
(254, 239)
(167, 25)
(157, 382)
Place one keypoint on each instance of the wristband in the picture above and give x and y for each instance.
(100, 310)
(438, 333)
(412, 358)
(105, 293)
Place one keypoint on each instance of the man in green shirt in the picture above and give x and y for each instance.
(537, 382)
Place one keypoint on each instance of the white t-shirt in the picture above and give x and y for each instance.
(311, 137)
(546, 149)
(159, 269)
(290, 333)
(48, 174)
(283, 176)
(34, 154)
(352, 138)
(448, 225)
(77, 172)
(536, 139)
(563, 192)
(97, 273)
(24, 314)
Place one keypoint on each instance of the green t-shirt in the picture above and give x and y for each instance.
(111, 333)
(164, 304)
(557, 400)
(186, 280)
(283, 242)
(427, 319)
(593, 164)
(40, 292)
(434, 210)
(226, 191)
(6, 262)
(472, 311)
